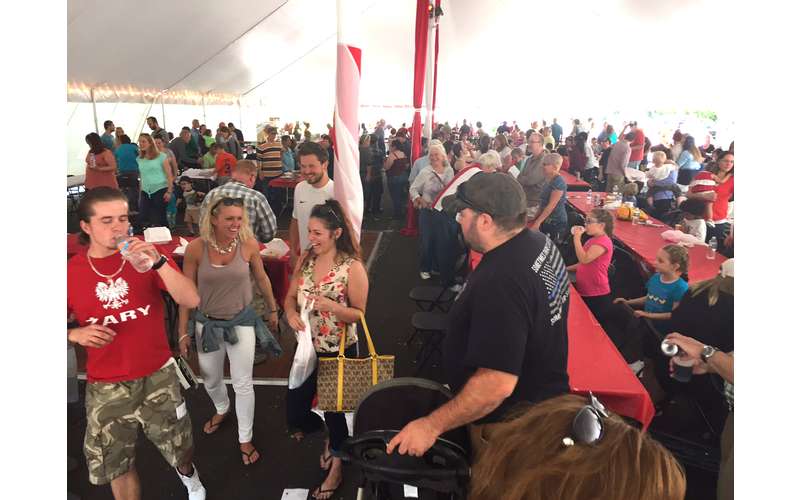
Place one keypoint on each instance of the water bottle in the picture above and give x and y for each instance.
(140, 261)
(711, 251)
(615, 192)
(635, 215)
(589, 196)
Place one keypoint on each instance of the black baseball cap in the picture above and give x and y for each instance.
(496, 194)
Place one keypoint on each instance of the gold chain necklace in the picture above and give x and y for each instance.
(224, 251)
(109, 277)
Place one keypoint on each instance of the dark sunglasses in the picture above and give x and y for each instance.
(239, 202)
(587, 426)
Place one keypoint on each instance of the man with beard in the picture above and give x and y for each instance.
(315, 188)
(506, 340)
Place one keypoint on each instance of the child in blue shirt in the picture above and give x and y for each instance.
(665, 288)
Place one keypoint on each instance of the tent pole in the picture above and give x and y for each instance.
(239, 103)
(429, 79)
(205, 120)
(163, 113)
(94, 110)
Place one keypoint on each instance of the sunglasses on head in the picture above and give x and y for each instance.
(239, 202)
(587, 426)
(318, 208)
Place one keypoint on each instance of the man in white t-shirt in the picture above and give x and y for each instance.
(313, 190)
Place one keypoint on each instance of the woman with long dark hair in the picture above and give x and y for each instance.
(331, 277)
(719, 195)
(397, 166)
(101, 166)
(581, 157)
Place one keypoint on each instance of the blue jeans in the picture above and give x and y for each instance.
(685, 176)
(153, 209)
(398, 189)
(438, 238)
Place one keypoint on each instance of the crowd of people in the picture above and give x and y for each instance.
(500, 196)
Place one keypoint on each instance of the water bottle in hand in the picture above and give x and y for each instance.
(711, 251)
(140, 261)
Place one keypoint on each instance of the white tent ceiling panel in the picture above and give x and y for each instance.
(510, 56)
(153, 43)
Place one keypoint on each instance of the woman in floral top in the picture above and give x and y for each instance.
(331, 277)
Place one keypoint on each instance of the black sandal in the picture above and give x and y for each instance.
(249, 456)
(212, 426)
(327, 461)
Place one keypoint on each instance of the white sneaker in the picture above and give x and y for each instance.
(456, 288)
(637, 367)
(196, 489)
(424, 275)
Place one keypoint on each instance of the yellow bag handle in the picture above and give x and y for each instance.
(340, 372)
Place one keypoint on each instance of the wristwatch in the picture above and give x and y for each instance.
(707, 352)
(160, 262)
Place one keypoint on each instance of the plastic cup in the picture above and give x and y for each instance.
(682, 369)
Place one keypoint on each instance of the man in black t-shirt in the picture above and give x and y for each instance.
(506, 341)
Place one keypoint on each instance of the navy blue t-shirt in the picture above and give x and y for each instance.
(511, 316)
(558, 217)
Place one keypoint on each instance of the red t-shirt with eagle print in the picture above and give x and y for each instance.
(131, 305)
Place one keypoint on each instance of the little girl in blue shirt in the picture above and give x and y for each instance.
(665, 288)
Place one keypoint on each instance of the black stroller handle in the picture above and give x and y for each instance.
(455, 459)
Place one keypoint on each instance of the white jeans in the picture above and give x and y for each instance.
(240, 357)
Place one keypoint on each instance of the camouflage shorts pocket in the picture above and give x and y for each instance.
(164, 416)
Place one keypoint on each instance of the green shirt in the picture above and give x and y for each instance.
(152, 173)
(209, 160)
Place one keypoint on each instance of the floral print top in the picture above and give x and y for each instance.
(326, 329)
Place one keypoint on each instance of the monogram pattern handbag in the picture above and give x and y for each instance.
(342, 381)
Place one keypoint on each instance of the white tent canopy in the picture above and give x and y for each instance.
(499, 60)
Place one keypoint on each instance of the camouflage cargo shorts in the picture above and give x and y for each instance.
(114, 412)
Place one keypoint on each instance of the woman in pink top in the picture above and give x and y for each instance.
(594, 258)
(101, 166)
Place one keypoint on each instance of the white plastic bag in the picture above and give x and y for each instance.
(305, 357)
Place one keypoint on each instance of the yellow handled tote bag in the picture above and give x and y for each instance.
(342, 381)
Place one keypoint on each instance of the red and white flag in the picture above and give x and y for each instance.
(347, 181)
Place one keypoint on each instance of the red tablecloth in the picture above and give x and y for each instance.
(277, 269)
(285, 182)
(573, 182)
(594, 363)
(646, 241)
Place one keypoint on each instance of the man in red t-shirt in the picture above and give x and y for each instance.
(131, 379)
(637, 144)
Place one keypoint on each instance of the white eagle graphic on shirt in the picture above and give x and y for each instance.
(112, 293)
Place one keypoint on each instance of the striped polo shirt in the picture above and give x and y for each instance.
(268, 158)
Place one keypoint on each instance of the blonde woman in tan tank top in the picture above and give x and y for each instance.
(222, 262)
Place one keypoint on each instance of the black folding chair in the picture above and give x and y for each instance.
(432, 325)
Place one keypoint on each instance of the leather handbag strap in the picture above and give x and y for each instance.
(341, 359)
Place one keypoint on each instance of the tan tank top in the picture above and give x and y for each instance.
(224, 290)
